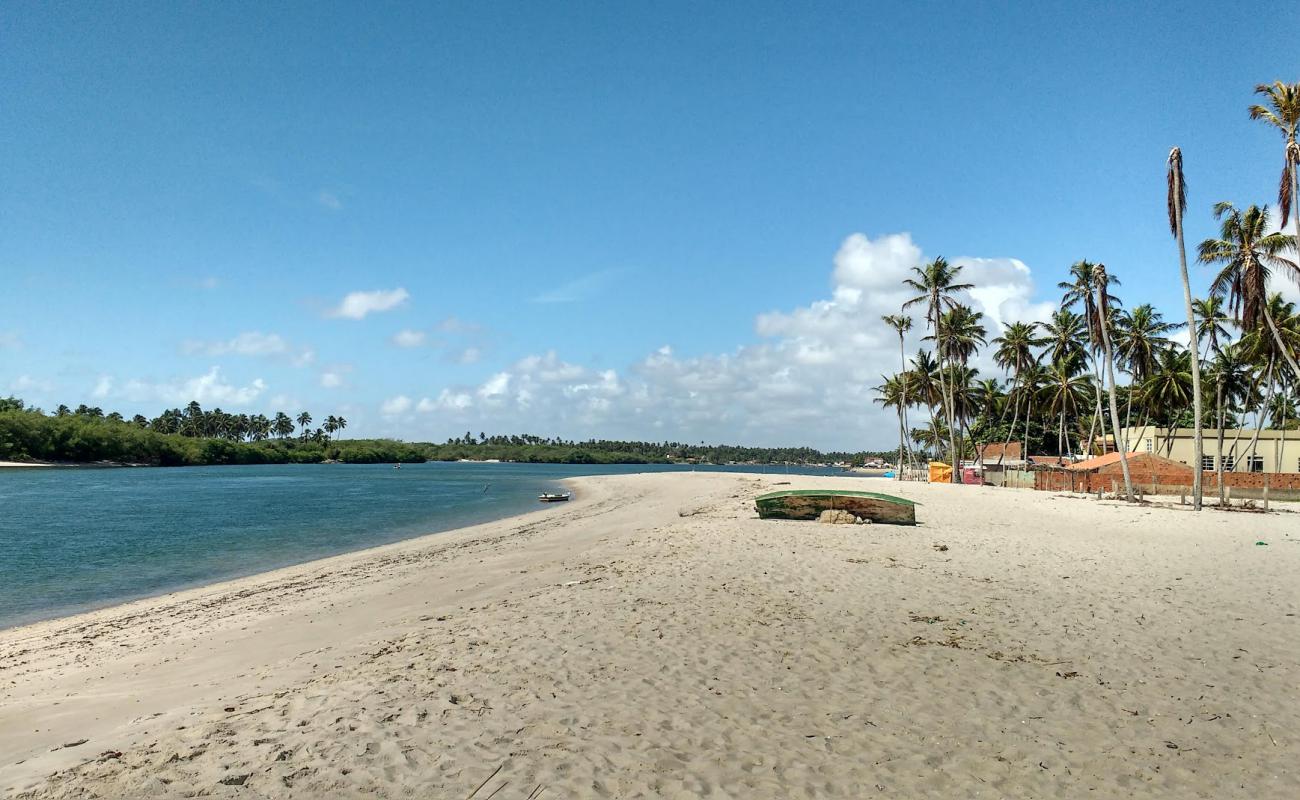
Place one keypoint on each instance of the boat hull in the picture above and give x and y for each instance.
(809, 504)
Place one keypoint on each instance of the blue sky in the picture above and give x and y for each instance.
(603, 220)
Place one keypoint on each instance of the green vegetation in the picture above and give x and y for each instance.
(180, 438)
(1245, 342)
(192, 437)
(536, 449)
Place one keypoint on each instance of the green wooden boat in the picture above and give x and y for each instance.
(810, 503)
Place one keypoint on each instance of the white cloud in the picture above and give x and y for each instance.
(10, 340)
(808, 381)
(26, 383)
(331, 380)
(208, 389)
(251, 343)
(578, 289)
(409, 338)
(103, 387)
(460, 326)
(356, 305)
(329, 200)
(209, 283)
(468, 355)
(396, 405)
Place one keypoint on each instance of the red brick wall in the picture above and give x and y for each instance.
(1163, 480)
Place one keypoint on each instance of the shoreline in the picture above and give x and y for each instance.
(653, 637)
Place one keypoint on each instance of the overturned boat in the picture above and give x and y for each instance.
(810, 503)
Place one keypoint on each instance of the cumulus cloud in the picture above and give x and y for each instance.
(396, 405)
(210, 388)
(26, 383)
(582, 288)
(808, 380)
(357, 305)
(333, 378)
(409, 338)
(253, 344)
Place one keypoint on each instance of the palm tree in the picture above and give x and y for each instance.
(340, 423)
(1283, 113)
(1015, 354)
(1211, 324)
(937, 284)
(282, 425)
(1177, 206)
(1064, 391)
(1139, 337)
(1249, 255)
(901, 325)
(1100, 279)
(959, 336)
(304, 419)
(893, 393)
(1080, 291)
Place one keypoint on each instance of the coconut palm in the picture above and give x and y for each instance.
(937, 285)
(1139, 337)
(1015, 354)
(304, 420)
(901, 324)
(1211, 323)
(1177, 206)
(893, 394)
(1283, 113)
(959, 336)
(1081, 291)
(1100, 280)
(1065, 390)
(1249, 256)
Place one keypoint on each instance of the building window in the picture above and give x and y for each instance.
(1148, 445)
(1229, 463)
(1207, 463)
(1255, 464)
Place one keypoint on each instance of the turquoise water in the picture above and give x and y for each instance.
(76, 539)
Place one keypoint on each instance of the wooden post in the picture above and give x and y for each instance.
(1114, 487)
(1227, 495)
(1182, 496)
(1266, 491)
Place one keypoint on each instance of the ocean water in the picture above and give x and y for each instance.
(77, 539)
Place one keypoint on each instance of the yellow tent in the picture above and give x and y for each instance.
(940, 472)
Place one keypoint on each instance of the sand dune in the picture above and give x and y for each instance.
(655, 639)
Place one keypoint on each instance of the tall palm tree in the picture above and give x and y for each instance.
(1249, 256)
(340, 423)
(1065, 390)
(937, 285)
(1283, 113)
(901, 324)
(1211, 324)
(893, 393)
(958, 337)
(304, 420)
(1177, 206)
(1081, 291)
(1100, 279)
(1139, 337)
(1015, 354)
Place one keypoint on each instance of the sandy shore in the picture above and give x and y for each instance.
(655, 639)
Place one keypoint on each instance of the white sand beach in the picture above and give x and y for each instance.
(655, 639)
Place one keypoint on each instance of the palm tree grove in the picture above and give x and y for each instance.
(1103, 363)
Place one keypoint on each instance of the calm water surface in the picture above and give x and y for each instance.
(76, 539)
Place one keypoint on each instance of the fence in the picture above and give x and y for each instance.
(1244, 485)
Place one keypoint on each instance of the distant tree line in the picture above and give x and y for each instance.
(192, 436)
(183, 437)
(529, 448)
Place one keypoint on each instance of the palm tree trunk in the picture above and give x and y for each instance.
(1260, 419)
(1218, 464)
(902, 408)
(1114, 406)
(1198, 456)
(1281, 345)
(1011, 432)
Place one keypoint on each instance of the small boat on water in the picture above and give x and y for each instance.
(550, 497)
(810, 503)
